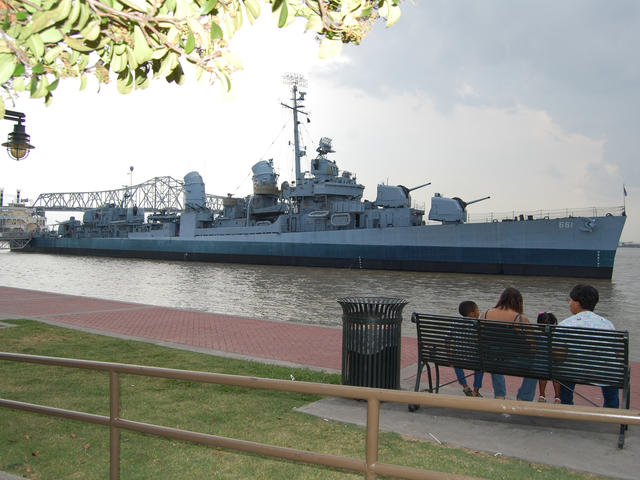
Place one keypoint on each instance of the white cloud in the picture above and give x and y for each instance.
(520, 156)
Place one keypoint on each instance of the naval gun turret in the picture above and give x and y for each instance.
(450, 210)
(395, 196)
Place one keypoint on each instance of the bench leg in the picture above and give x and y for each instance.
(626, 403)
(430, 389)
(412, 407)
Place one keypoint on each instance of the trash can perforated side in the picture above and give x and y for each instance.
(371, 333)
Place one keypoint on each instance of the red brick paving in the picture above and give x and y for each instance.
(309, 345)
(303, 344)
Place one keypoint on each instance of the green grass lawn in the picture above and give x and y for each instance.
(41, 447)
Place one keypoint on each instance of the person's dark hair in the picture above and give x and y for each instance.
(547, 318)
(466, 307)
(510, 299)
(586, 295)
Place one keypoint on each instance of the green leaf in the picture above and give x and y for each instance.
(37, 69)
(41, 88)
(91, 31)
(141, 49)
(276, 5)
(21, 15)
(36, 45)
(284, 14)
(51, 35)
(134, 5)
(237, 21)
(47, 18)
(131, 58)
(52, 54)
(159, 53)
(71, 19)
(7, 66)
(83, 18)
(18, 84)
(190, 43)
(208, 6)
(2, 109)
(83, 82)
(33, 84)
(53, 85)
(84, 60)
(253, 9)
(42, 20)
(62, 10)
(125, 82)
(19, 70)
(118, 62)
(216, 31)
(142, 78)
(77, 44)
(177, 75)
(168, 64)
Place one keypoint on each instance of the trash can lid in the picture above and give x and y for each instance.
(375, 306)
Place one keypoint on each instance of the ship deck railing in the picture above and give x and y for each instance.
(588, 212)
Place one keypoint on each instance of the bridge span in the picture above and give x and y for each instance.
(158, 195)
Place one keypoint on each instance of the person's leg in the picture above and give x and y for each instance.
(556, 391)
(542, 386)
(527, 390)
(611, 397)
(461, 378)
(499, 386)
(566, 393)
(477, 383)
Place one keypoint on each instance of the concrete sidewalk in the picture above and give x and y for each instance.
(583, 446)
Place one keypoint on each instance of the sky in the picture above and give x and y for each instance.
(534, 103)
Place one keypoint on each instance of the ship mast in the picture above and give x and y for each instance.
(295, 79)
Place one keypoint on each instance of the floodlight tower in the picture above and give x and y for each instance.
(295, 79)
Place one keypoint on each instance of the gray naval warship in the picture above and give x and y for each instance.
(321, 219)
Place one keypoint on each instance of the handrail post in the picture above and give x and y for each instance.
(373, 426)
(114, 432)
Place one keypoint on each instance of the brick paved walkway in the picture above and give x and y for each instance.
(269, 341)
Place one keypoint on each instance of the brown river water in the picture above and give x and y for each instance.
(308, 295)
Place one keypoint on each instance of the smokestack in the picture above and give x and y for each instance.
(1, 197)
(18, 196)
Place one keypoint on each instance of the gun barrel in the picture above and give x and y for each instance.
(477, 200)
(419, 186)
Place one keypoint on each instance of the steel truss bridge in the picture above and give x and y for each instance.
(158, 195)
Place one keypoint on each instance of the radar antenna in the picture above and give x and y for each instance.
(295, 80)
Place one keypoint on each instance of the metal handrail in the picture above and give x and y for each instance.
(545, 214)
(369, 466)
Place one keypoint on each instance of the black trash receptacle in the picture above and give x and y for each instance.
(371, 341)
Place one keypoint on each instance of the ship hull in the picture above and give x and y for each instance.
(572, 247)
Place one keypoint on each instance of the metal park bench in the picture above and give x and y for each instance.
(546, 352)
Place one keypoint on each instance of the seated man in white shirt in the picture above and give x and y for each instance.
(582, 301)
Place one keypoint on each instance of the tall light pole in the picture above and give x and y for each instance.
(17, 144)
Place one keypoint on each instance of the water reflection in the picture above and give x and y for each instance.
(302, 294)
